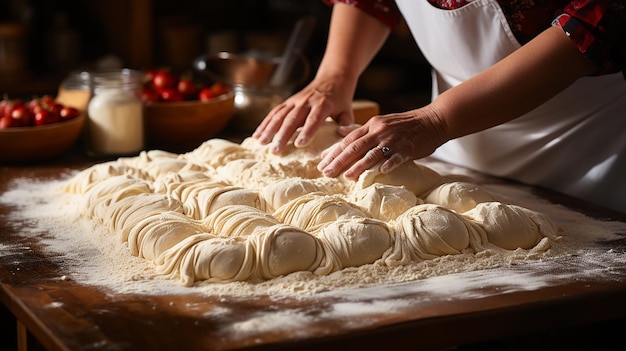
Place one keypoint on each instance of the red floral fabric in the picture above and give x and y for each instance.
(597, 27)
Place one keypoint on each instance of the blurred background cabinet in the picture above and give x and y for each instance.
(41, 41)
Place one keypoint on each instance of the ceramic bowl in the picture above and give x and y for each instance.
(28, 144)
(183, 126)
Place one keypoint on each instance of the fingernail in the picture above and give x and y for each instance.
(322, 165)
(348, 175)
(301, 141)
(384, 168)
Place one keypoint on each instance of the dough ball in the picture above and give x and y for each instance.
(90, 177)
(99, 197)
(156, 233)
(325, 137)
(190, 190)
(210, 200)
(233, 170)
(310, 212)
(130, 210)
(283, 249)
(219, 152)
(163, 166)
(415, 177)
(436, 230)
(239, 220)
(384, 202)
(146, 157)
(278, 194)
(353, 242)
(173, 183)
(510, 226)
(458, 196)
(226, 259)
(206, 257)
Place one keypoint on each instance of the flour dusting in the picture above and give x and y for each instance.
(91, 256)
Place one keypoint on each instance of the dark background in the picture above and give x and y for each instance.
(144, 34)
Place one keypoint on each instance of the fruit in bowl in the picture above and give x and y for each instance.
(180, 113)
(37, 129)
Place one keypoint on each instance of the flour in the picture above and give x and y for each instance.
(89, 255)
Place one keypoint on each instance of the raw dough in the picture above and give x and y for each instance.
(233, 212)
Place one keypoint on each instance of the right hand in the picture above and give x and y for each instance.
(308, 108)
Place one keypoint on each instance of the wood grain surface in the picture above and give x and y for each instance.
(64, 314)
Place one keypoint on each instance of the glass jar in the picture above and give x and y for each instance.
(115, 114)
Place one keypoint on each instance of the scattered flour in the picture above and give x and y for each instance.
(49, 220)
(91, 256)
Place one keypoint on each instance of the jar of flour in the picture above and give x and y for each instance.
(115, 114)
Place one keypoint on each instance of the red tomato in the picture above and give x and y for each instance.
(20, 117)
(163, 79)
(148, 76)
(9, 105)
(149, 95)
(219, 89)
(5, 121)
(68, 112)
(187, 88)
(171, 95)
(34, 104)
(44, 116)
(206, 94)
(47, 100)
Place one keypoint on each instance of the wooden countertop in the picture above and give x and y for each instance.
(64, 314)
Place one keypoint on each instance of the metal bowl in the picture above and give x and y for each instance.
(249, 71)
(250, 77)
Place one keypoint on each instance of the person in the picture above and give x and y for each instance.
(532, 90)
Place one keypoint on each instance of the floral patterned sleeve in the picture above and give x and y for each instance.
(598, 27)
(384, 10)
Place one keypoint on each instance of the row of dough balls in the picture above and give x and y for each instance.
(225, 213)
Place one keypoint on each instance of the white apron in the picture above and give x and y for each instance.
(575, 143)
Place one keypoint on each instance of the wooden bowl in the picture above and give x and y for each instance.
(183, 126)
(27, 144)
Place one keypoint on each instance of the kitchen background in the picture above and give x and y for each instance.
(42, 41)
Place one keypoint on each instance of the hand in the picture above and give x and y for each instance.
(309, 108)
(408, 136)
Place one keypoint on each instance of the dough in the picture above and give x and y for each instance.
(385, 202)
(458, 196)
(510, 226)
(428, 231)
(234, 212)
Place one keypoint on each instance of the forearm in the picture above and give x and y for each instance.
(514, 86)
(354, 39)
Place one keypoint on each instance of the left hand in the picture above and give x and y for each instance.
(391, 139)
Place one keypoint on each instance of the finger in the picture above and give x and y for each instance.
(328, 150)
(371, 158)
(271, 124)
(312, 124)
(333, 151)
(352, 148)
(293, 120)
(262, 127)
(393, 162)
(328, 156)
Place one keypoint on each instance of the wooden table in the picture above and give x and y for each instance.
(63, 314)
